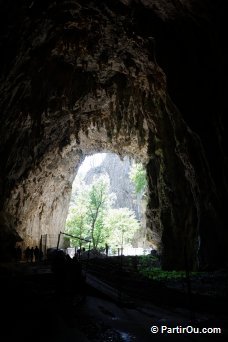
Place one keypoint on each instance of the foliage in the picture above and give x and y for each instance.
(76, 224)
(87, 207)
(122, 225)
(138, 177)
(91, 215)
(99, 201)
(156, 273)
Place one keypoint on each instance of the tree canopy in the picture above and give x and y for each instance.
(122, 225)
(138, 177)
(91, 215)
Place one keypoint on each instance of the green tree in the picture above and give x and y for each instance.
(91, 214)
(138, 177)
(87, 208)
(76, 224)
(122, 225)
(99, 201)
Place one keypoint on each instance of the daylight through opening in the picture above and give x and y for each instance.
(108, 208)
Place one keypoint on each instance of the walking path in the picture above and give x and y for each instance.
(32, 311)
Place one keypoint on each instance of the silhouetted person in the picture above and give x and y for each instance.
(77, 279)
(36, 254)
(79, 252)
(27, 254)
(31, 254)
(41, 255)
(106, 249)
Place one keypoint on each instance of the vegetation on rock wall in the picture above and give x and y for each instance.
(138, 177)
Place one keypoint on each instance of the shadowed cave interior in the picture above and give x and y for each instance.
(145, 79)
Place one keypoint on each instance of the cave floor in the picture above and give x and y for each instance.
(31, 309)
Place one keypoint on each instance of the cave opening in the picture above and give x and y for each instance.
(114, 190)
(47, 189)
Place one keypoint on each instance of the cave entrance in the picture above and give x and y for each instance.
(108, 206)
(47, 189)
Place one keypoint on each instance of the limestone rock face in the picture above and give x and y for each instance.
(120, 183)
(138, 78)
(40, 203)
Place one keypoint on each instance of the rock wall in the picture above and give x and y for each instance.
(39, 204)
(79, 77)
(118, 171)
